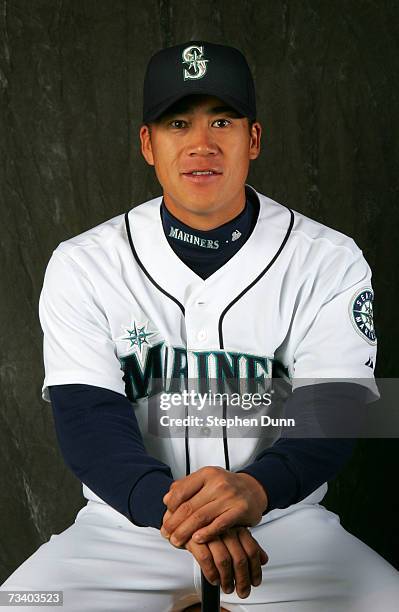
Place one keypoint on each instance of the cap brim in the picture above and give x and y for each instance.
(155, 112)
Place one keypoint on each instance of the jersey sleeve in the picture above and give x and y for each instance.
(77, 344)
(333, 335)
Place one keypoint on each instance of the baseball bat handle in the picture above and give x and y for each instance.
(210, 596)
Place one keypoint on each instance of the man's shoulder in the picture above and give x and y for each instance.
(305, 231)
(106, 236)
(98, 235)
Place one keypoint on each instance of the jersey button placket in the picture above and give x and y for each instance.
(202, 335)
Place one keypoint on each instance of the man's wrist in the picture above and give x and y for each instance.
(258, 490)
(146, 507)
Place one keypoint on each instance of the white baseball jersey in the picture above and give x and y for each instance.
(120, 310)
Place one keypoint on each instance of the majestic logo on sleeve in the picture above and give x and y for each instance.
(193, 57)
(361, 313)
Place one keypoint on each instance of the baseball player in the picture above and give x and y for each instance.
(211, 284)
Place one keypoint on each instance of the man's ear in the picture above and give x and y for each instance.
(146, 144)
(255, 136)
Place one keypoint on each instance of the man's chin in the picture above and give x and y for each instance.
(200, 208)
(197, 203)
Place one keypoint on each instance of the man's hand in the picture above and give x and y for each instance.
(234, 560)
(213, 499)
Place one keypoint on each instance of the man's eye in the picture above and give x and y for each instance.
(222, 121)
(177, 123)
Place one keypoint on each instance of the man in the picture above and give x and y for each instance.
(212, 283)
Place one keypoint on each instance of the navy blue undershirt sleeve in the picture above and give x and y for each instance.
(100, 439)
(101, 443)
(293, 468)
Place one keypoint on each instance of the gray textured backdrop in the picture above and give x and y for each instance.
(70, 85)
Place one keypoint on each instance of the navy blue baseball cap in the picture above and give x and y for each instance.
(198, 67)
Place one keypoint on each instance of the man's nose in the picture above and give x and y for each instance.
(201, 141)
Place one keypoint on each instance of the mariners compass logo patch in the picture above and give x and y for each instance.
(136, 336)
(361, 312)
(196, 64)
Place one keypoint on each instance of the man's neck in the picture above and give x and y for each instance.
(205, 220)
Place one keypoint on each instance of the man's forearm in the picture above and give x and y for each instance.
(293, 468)
(287, 472)
(101, 443)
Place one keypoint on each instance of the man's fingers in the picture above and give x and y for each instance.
(203, 516)
(191, 514)
(241, 562)
(220, 524)
(223, 562)
(182, 490)
(255, 554)
(185, 488)
(234, 559)
(205, 560)
(164, 532)
(263, 557)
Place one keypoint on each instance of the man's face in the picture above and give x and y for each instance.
(201, 133)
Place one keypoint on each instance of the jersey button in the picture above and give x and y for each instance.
(201, 335)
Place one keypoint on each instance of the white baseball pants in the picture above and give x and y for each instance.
(103, 563)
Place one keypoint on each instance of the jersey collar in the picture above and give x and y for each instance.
(165, 269)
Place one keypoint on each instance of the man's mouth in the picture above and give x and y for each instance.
(199, 172)
(202, 171)
(202, 175)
